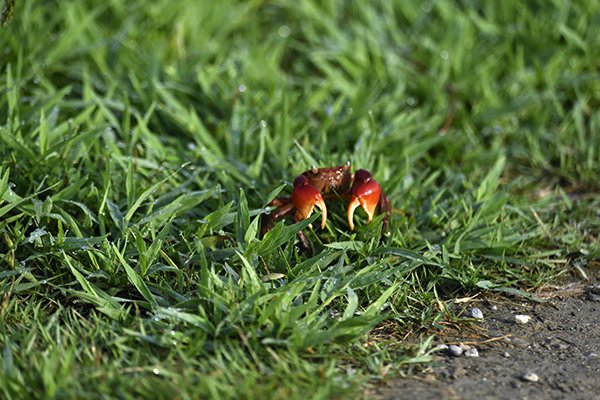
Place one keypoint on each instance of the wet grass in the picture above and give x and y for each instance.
(140, 143)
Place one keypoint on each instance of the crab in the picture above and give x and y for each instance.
(314, 186)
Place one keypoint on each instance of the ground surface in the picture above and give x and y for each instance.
(142, 142)
(560, 344)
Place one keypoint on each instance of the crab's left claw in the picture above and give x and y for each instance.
(365, 192)
(305, 197)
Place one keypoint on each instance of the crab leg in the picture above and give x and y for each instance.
(284, 207)
(365, 193)
(305, 197)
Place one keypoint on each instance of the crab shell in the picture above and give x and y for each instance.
(315, 184)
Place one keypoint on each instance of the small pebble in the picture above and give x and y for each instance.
(471, 353)
(506, 354)
(442, 347)
(455, 350)
(593, 296)
(475, 313)
(522, 319)
(529, 376)
(494, 307)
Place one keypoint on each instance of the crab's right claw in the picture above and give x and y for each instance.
(305, 197)
(365, 193)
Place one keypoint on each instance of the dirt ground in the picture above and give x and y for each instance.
(560, 345)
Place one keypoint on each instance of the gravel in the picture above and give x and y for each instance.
(471, 352)
(442, 347)
(593, 293)
(559, 348)
(455, 350)
(475, 313)
(529, 376)
(522, 319)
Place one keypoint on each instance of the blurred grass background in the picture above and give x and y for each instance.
(140, 141)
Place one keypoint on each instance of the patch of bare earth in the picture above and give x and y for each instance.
(554, 355)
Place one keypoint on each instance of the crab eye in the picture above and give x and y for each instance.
(301, 181)
(314, 170)
(362, 175)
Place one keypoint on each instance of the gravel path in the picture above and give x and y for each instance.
(535, 350)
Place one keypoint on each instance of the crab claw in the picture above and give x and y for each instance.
(365, 192)
(305, 197)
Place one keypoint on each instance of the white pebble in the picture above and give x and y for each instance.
(471, 353)
(475, 313)
(455, 350)
(522, 319)
(529, 376)
(442, 347)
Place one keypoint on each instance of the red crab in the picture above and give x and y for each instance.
(312, 187)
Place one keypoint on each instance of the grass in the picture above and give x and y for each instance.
(140, 142)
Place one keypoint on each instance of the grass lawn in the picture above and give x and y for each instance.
(141, 141)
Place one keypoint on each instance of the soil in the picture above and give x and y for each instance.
(560, 345)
